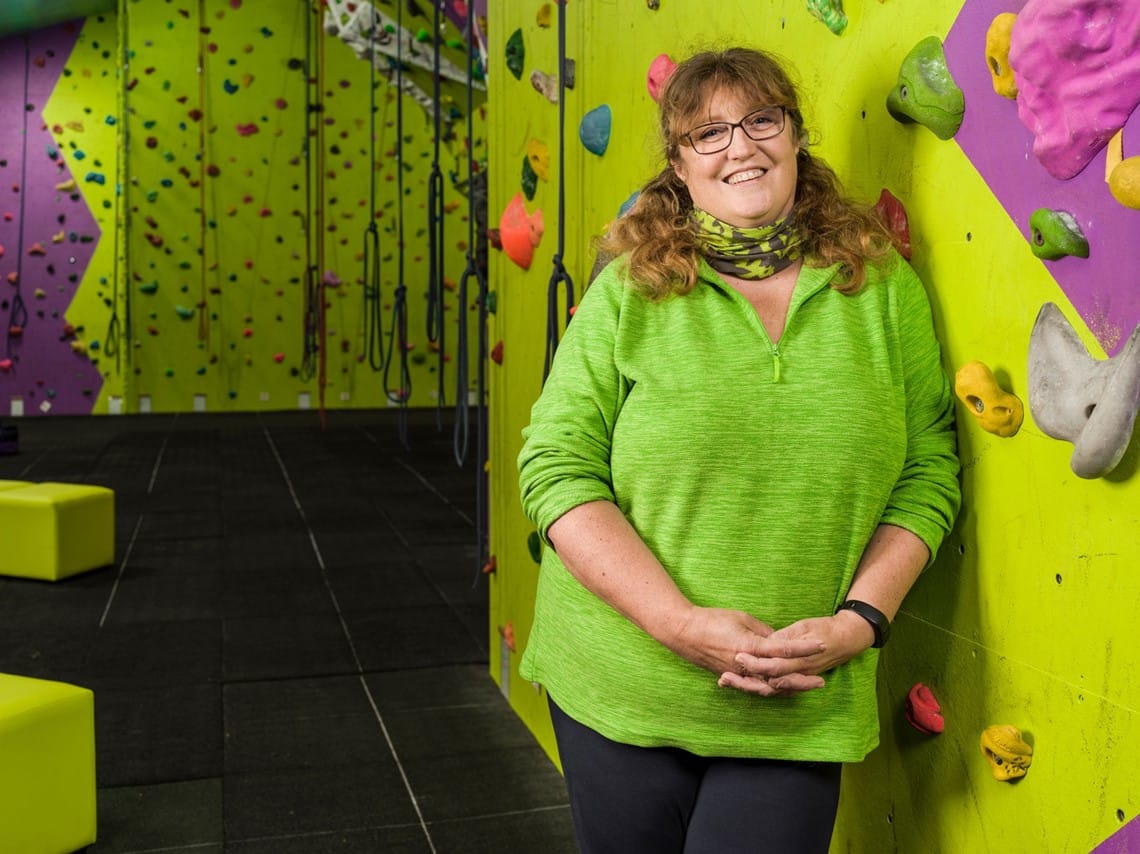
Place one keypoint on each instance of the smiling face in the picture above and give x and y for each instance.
(748, 184)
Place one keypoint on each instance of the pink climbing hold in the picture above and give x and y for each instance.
(37, 249)
(1077, 71)
(279, 357)
(660, 70)
(5, 365)
(248, 129)
(922, 710)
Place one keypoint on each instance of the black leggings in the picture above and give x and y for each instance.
(661, 800)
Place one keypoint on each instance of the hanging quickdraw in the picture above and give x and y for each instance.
(373, 343)
(435, 324)
(559, 276)
(398, 336)
(18, 312)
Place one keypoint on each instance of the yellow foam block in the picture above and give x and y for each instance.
(13, 484)
(47, 771)
(50, 531)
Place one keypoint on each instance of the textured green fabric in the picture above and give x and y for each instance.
(756, 474)
(747, 253)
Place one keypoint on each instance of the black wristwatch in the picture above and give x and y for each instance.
(877, 619)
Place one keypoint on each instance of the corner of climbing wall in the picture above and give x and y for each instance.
(1007, 685)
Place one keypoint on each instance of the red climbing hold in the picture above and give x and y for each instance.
(922, 710)
(37, 249)
(490, 566)
(497, 353)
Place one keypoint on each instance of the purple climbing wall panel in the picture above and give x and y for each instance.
(48, 236)
(1103, 287)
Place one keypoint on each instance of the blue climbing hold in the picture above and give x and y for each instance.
(230, 87)
(628, 203)
(95, 178)
(594, 129)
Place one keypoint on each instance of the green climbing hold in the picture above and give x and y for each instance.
(534, 544)
(830, 12)
(184, 312)
(516, 54)
(1055, 234)
(529, 179)
(149, 287)
(926, 93)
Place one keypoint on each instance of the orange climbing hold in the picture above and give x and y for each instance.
(520, 232)
(490, 566)
(37, 249)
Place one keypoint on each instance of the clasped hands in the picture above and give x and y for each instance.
(751, 656)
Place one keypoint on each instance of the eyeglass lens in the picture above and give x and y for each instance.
(757, 126)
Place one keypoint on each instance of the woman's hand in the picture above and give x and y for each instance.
(837, 640)
(716, 638)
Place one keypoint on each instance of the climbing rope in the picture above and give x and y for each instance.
(308, 320)
(559, 276)
(398, 336)
(461, 436)
(462, 429)
(113, 339)
(435, 325)
(18, 312)
(373, 344)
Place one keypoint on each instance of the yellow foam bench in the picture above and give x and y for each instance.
(51, 531)
(47, 766)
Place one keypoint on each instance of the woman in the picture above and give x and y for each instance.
(742, 459)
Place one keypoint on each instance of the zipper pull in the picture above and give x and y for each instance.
(775, 363)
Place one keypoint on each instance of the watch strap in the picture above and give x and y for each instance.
(878, 620)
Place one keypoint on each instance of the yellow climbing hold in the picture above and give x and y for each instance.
(67, 186)
(1007, 751)
(542, 18)
(538, 154)
(996, 410)
(1124, 182)
(997, 54)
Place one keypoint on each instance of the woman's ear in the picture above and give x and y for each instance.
(678, 168)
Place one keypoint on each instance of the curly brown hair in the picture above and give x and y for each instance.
(656, 236)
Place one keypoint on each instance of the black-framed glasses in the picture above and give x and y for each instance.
(758, 125)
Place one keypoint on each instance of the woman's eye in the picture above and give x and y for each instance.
(758, 122)
(711, 132)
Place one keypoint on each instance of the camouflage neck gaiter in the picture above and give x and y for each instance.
(747, 253)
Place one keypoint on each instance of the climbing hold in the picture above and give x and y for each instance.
(660, 70)
(893, 213)
(534, 545)
(39, 293)
(279, 357)
(497, 353)
(1080, 399)
(184, 312)
(543, 16)
(508, 633)
(492, 302)
(1007, 751)
(149, 287)
(516, 54)
(1124, 182)
(67, 186)
(545, 84)
(629, 203)
(996, 410)
(520, 232)
(926, 93)
(248, 129)
(490, 566)
(997, 55)
(1078, 76)
(830, 12)
(529, 180)
(1055, 234)
(538, 154)
(37, 249)
(79, 348)
(594, 129)
(922, 710)
(230, 86)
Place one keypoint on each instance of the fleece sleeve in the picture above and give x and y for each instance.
(565, 458)
(927, 496)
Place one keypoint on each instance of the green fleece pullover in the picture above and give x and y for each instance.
(755, 472)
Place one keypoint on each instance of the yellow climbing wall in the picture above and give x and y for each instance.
(224, 212)
(1025, 619)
